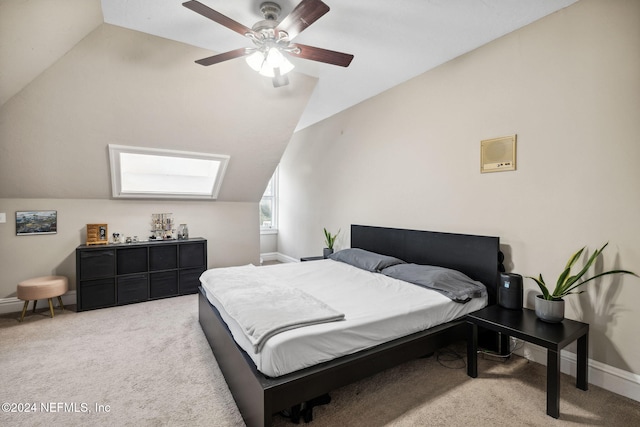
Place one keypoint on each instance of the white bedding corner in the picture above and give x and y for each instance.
(280, 308)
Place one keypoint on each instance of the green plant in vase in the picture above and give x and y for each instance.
(553, 310)
(329, 240)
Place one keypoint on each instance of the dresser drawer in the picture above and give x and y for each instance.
(163, 284)
(133, 288)
(97, 293)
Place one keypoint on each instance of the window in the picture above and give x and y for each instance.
(269, 205)
(138, 172)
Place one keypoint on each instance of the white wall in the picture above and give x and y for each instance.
(118, 86)
(268, 242)
(569, 87)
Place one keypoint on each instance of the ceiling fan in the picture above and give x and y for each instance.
(272, 39)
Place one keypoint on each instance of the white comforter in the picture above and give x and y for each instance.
(281, 307)
(377, 309)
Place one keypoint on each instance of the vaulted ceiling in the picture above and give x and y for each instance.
(77, 75)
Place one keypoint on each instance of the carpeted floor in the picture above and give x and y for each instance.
(149, 365)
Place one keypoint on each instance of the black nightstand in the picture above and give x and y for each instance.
(524, 324)
(311, 258)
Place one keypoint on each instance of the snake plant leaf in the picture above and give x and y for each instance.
(329, 238)
(599, 275)
(563, 277)
(567, 283)
(562, 289)
(574, 258)
(543, 287)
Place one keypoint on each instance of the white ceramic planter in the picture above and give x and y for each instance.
(551, 311)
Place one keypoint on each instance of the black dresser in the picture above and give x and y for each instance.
(117, 274)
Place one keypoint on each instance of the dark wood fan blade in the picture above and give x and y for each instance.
(232, 54)
(215, 16)
(322, 55)
(304, 14)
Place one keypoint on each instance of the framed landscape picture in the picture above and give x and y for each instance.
(36, 222)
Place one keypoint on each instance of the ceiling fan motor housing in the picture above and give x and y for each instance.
(266, 27)
(267, 35)
(270, 10)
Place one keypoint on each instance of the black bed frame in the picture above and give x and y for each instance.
(259, 397)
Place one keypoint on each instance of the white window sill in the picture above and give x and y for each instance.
(268, 231)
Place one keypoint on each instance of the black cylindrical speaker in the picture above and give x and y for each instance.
(510, 292)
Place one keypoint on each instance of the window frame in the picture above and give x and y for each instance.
(116, 173)
(274, 203)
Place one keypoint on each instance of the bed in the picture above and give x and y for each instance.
(258, 396)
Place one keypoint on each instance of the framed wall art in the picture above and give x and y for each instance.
(36, 222)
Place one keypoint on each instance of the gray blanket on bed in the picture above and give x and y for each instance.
(264, 309)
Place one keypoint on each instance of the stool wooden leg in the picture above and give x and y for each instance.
(24, 310)
(51, 307)
(60, 302)
(35, 301)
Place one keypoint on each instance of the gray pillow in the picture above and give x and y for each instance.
(451, 283)
(365, 260)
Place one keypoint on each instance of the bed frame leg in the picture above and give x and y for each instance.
(304, 410)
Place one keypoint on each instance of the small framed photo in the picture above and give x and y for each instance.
(30, 223)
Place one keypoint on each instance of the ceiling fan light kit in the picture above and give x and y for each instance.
(266, 63)
(272, 39)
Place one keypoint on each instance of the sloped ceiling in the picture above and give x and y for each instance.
(119, 86)
(71, 84)
(36, 33)
(393, 41)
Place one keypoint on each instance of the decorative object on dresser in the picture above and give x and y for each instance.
(162, 226)
(329, 240)
(97, 234)
(183, 232)
(550, 305)
(127, 273)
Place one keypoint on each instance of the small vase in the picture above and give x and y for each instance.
(326, 252)
(183, 232)
(551, 311)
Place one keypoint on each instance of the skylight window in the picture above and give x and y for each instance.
(138, 172)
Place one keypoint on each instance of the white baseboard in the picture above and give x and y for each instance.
(14, 305)
(277, 256)
(607, 377)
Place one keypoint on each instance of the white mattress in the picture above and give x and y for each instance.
(377, 309)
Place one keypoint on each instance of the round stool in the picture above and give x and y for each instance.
(45, 287)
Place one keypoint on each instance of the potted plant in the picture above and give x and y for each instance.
(329, 240)
(550, 305)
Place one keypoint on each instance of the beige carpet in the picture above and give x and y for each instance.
(151, 364)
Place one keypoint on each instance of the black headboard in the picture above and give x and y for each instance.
(475, 256)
